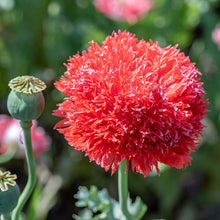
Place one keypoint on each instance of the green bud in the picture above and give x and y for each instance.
(26, 101)
(9, 192)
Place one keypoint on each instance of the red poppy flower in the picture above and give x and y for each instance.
(133, 100)
(128, 10)
(11, 134)
(216, 35)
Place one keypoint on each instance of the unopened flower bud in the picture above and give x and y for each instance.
(26, 100)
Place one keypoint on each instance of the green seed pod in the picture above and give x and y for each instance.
(9, 192)
(26, 101)
(9, 199)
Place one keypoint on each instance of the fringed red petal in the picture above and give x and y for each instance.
(133, 100)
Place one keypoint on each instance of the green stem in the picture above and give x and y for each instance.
(26, 125)
(4, 158)
(6, 217)
(123, 189)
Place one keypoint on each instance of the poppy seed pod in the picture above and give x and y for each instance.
(26, 101)
(9, 192)
(9, 199)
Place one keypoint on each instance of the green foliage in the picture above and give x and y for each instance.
(104, 207)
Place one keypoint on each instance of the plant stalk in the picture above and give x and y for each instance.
(26, 126)
(4, 158)
(6, 217)
(123, 189)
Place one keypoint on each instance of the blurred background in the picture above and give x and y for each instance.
(38, 36)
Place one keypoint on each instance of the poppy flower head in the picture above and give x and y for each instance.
(216, 36)
(127, 10)
(133, 100)
(11, 134)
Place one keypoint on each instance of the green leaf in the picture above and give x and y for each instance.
(83, 215)
(138, 209)
(100, 206)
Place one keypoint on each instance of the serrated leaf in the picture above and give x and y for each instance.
(82, 193)
(93, 194)
(117, 212)
(104, 207)
(85, 214)
(104, 196)
(94, 200)
(138, 209)
(81, 203)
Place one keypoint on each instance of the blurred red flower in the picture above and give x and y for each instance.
(133, 100)
(128, 10)
(11, 134)
(216, 35)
